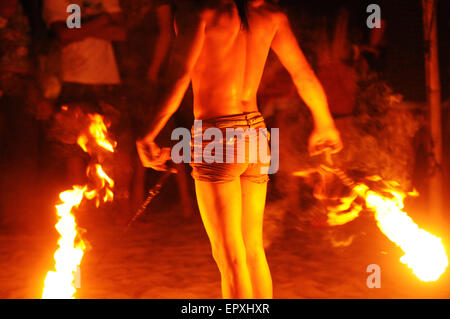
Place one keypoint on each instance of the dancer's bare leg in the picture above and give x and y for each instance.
(221, 211)
(253, 202)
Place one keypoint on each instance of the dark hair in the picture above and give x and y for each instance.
(243, 12)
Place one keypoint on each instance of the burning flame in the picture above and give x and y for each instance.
(424, 252)
(97, 132)
(60, 283)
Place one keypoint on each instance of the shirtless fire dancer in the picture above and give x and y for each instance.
(210, 50)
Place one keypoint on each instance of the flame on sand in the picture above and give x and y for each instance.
(60, 284)
(424, 252)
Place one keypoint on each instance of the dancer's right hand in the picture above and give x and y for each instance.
(152, 155)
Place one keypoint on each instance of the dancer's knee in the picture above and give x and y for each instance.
(229, 257)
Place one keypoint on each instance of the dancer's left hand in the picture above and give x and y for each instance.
(325, 140)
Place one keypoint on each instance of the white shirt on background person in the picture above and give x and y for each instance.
(91, 60)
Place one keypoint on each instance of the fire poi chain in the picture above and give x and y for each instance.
(424, 252)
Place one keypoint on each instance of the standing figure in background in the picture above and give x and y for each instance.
(164, 10)
(165, 17)
(150, 32)
(143, 57)
(87, 63)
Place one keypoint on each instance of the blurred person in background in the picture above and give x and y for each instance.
(88, 68)
(143, 58)
(90, 80)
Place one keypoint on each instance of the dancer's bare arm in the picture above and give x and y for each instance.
(186, 49)
(308, 86)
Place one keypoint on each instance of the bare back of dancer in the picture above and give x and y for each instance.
(217, 77)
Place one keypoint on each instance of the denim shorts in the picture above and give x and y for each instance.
(240, 150)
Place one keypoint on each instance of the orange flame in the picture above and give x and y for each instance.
(97, 132)
(424, 252)
(61, 282)
(106, 183)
